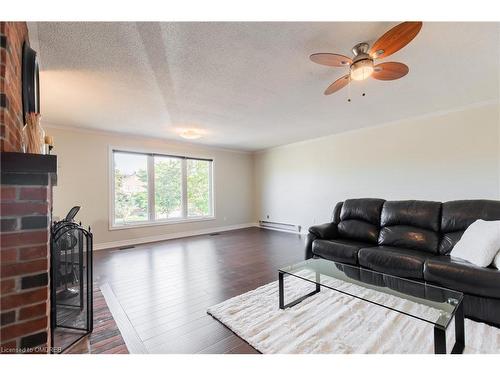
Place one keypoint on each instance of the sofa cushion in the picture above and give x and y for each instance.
(456, 216)
(358, 230)
(394, 261)
(421, 214)
(410, 224)
(409, 237)
(344, 251)
(366, 209)
(360, 219)
(458, 274)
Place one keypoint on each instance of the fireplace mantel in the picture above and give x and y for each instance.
(15, 165)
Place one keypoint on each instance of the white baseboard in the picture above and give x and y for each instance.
(282, 230)
(169, 236)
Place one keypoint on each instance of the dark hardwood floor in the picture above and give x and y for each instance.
(165, 288)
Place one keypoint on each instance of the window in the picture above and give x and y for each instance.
(131, 188)
(168, 187)
(198, 188)
(154, 188)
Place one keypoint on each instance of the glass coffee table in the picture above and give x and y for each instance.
(429, 303)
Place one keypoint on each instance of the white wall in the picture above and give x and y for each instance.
(442, 157)
(83, 179)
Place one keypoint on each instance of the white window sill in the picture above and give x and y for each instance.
(160, 222)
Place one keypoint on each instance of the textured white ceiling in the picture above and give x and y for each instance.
(251, 85)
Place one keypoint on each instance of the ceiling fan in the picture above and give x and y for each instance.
(361, 66)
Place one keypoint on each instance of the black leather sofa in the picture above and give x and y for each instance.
(412, 239)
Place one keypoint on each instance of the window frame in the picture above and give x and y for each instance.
(151, 191)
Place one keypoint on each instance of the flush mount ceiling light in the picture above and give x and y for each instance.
(190, 134)
(361, 66)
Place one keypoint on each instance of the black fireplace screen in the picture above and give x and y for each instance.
(71, 282)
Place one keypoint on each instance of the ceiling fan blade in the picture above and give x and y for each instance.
(338, 84)
(395, 39)
(389, 71)
(330, 59)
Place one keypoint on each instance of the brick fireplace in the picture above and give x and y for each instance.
(25, 218)
(26, 195)
(12, 37)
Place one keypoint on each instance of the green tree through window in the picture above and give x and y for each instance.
(168, 187)
(198, 187)
(131, 188)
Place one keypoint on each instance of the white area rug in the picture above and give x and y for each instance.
(331, 322)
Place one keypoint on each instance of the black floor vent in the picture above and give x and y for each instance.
(126, 247)
(214, 234)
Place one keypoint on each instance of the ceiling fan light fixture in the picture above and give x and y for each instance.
(361, 69)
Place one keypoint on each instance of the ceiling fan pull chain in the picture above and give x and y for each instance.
(349, 91)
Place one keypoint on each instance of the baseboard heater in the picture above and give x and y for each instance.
(293, 228)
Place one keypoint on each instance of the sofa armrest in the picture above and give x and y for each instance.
(309, 243)
(327, 231)
(458, 274)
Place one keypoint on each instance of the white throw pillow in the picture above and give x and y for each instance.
(479, 243)
(496, 261)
